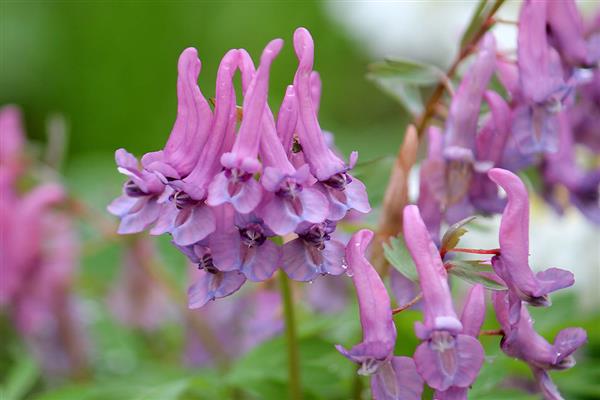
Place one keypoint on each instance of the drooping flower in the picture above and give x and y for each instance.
(143, 195)
(236, 183)
(344, 191)
(523, 342)
(313, 252)
(245, 246)
(512, 263)
(446, 357)
(392, 377)
(191, 129)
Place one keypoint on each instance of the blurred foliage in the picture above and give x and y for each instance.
(110, 67)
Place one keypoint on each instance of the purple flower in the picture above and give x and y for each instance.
(446, 357)
(344, 191)
(187, 217)
(461, 125)
(236, 184)
(432, 182)
(142, 199)
(191, 129)
(472, 318)
(287, 119)
(313, 252)
(392, 377)
(561, 168)
(491, 144)
(211, 284)
(566, 32)
(291, 199)
(512, 264)
(245, 247)
(523, 342)
(541, 80)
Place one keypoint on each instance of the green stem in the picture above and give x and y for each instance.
(291, 338)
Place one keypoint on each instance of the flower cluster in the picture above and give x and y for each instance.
(39, 250)
(552, 106)
(225, 190)
(450, 355)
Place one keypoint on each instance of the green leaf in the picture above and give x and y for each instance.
(454, 233)
(403, 79)
(471, 271)
(20, 379)
(397, 254)
(409, 71)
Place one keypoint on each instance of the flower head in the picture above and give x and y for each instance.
(512, 264)
(446, 357)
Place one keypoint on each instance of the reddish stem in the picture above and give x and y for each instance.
(492, 332)
(476, 251)
(408, 305)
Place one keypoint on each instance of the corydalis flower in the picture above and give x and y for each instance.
(313, 252)
(187, 217)
(191, 129)
(392, 377)
(541, 80)
(140, 204)
(344, 191)
(236, 184)
(523, 342)
(512, 263)
(472, 318)
(447, 357)
(291, 199)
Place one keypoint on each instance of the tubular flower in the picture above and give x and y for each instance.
(236, 184)
(187, 217)
(512, 263)
(490, 146)
(12, 137)
(446, 357)
(432, 183)
(191, 129)
(392, 377)
(344, 191)
(523, 342)
(541, 80)
(291, 199)
(472, 318)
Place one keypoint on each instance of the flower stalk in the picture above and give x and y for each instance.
(295, 388)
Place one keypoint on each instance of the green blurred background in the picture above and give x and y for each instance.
(110, 68)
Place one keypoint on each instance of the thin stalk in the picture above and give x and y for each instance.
(291, 338)
(475, 251)
(411, 303)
